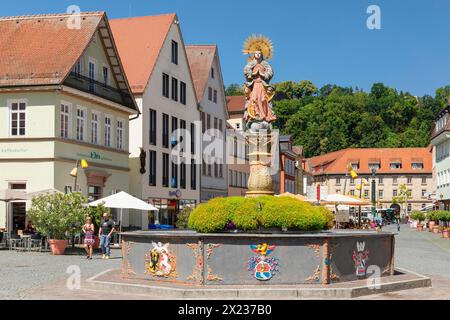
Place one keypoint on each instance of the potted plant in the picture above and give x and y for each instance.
(418, 216)
(441, 217)
(446, 232)
(444, 218)
(432, 217)
(58, 216)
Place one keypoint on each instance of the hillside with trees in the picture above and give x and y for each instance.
(333, 118)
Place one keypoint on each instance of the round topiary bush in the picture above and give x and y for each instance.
(418, 216)
(250, 214)
(442, 215)
(432, 215)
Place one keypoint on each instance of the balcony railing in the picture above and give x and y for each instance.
(99, 89)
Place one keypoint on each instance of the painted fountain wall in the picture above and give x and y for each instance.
(256, 259)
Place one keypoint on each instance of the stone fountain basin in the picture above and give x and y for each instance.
(187, 257)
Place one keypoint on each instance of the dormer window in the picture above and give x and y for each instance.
(374, 164)
(417, 165)
(396, 165)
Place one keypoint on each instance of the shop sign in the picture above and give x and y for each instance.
(176, 194)
(13, 150)
(94, 155)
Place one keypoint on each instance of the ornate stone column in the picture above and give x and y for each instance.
(260, 180)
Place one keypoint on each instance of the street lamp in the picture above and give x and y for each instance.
(364, 182)
(374, 211)
(74, 173)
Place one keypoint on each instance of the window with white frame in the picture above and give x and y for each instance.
(105, 75)
(18, 117)
(95, 125)
(77, 69)
(120, 134)
(108, 132)
(65, 120)
(81, 124)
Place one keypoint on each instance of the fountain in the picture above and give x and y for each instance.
(256, 257)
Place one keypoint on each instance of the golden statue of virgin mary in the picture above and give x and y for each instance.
(258, 74)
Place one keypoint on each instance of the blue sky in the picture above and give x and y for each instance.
(325, 41)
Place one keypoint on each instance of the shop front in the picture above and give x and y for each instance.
(106, 174)
(169, 208)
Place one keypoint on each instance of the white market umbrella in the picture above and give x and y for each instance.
(123, 200)
(8, 195)
(339, 199)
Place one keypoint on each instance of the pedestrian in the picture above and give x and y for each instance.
(29, 229)
(89, 240)
(107, 227)
(398, 227)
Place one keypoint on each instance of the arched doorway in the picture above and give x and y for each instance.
(396, 207)
(397, 210)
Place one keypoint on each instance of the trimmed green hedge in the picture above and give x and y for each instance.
(276, 212)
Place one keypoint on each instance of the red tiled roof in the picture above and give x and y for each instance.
(200, 59)
(139, 41)
(337, 162)
(41, 49)
(236, 104)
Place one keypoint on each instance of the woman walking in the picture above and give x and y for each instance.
(89, 239)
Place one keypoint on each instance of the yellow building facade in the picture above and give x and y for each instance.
(48, 123)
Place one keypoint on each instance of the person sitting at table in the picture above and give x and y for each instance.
(29, 229)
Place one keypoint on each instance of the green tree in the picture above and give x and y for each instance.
(335, 117)
(58, 216)
(403, 195)
(234, 90)
(307, 88)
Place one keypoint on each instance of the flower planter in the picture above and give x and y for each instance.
(446, 234)
(435, 229)
(431, 224)
(58, 246)
(420, 227)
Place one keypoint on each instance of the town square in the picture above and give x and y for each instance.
(189, 150)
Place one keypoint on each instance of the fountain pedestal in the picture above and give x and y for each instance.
(260, 157)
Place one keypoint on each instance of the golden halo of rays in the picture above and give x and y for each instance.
(259, 43)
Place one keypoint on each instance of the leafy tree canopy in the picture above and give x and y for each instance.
(332, 118)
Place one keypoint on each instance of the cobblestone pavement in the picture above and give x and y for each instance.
(42, 276)
(422, 252)
(23, 271)
(427, 254)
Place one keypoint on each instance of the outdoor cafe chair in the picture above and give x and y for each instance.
(35, 243)
(15, 242)
(3, 239)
